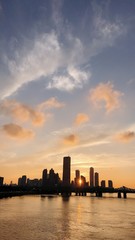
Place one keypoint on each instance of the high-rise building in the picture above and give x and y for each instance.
(19, 181)
(110, 184)
(96, 179)
(44, 177)
(91, 177)
(103, 183)
(77, 177)
(1, 181)
(24, 179)
(83, 181)
(77, 173)
(51, 177)
(66, 170)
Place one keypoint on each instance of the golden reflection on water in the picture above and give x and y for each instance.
(75, 217)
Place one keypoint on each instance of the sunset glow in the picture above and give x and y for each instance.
(67, 87)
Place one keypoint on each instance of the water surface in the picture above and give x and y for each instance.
(48, 218)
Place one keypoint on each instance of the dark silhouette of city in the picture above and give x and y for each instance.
(50, 183)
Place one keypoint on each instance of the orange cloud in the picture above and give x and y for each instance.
(70, 140)
(22, 112)
(17, 132)
(126, 136)
(51, 103)
(105, 93)
(81, 118)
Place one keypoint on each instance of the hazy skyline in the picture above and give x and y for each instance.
(67, 87)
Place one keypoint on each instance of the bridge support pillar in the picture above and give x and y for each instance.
(99, 194)
(124, 195)
(119, 194)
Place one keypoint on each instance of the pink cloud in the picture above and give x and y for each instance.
(17, 132)
(81, 118)
(105, 93)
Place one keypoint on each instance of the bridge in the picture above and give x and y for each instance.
(65, 191)
(98, 191)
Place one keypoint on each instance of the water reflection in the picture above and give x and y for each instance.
(67, 218)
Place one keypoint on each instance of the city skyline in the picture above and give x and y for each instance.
(67, 87)
(52, 178)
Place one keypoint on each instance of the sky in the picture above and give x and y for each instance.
(67, 88)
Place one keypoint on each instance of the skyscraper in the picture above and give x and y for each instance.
(103, 183)
(77, 177)
(91, 177)
(96, 179)
(77, 173)
(66, 170)
(24, 180)
(44, 177)
(110, 184)
(1, 181)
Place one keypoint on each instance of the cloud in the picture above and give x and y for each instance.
(81, 118)
(125, 136)
(44, 57)
(51, 103)
(58, 54)
(17, 132)
(70, 140)
(105, 93)
(105, 32)
(73, 78)
(22, 112)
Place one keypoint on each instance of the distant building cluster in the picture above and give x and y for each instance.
(51, 179)
(94, 180)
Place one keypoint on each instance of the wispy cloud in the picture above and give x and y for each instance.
(105, 32)
(51, 103)
(105, 93)
(17, 132)
(46, 56)
(125, 136)
(81, 118)
(59, 59)
(73, 78)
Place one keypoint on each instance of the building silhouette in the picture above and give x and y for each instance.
(91, 177)
(22, 181)
(1, 181)
(110, 184)
(35, 183)
(66, 170)
(44, 177)
(83, 181)
(96, 179)
(103, 183)
(77, 177)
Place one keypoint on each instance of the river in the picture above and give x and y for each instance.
(76, 218)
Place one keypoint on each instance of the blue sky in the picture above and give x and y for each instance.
(67, 87)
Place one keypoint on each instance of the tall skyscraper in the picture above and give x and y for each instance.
(51, 177)
(66, 170)
(24, 180)
(91, 177)
(77, 177)
(77, 173)
(96, 179)
(44, 177)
